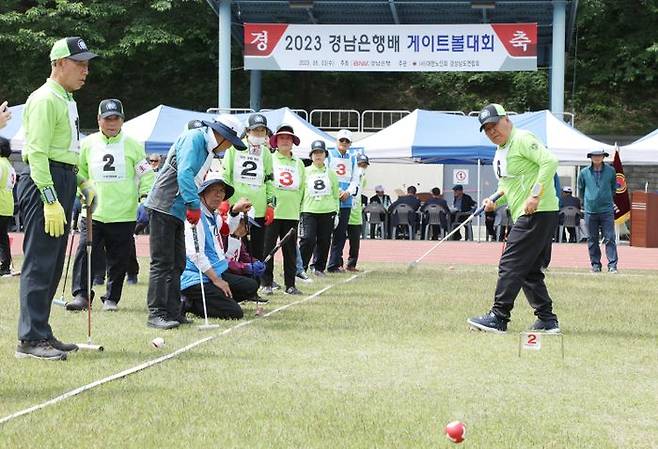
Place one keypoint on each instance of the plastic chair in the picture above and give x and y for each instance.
(570, 215)
(468, 229)
(503, 219)
(374, 212)
(404, 214)
(433, 213)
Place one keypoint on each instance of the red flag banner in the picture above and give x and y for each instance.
(622, 203)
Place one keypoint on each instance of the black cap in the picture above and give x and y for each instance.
(256, 121)
(110, 107)
(318, 145)
(458, 187)
(491, 113)
(72, 48)
(194, 124)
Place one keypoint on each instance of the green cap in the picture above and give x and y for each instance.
(71, 48)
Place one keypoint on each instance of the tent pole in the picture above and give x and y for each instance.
(479, 200)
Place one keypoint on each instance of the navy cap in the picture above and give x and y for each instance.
(229, 127)
(491, 113)
(110, 107)
(318, 145)
(458, 187)
(362, 159)
(212, 180)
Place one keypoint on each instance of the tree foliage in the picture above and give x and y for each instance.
(165, 52)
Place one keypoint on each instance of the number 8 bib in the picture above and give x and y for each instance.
(107, 163)
(318, 185)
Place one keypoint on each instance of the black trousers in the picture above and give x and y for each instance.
(217, 303)
(354, 237)
(43, 255)
(338, 239)
(111, 239)
(257, 239)
(520, 266)
(277, 230)
(316, 230)
(133, 265)
(5, 250)
(167, 242)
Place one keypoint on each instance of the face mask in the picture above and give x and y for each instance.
(256, 140)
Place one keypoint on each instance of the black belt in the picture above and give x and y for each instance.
(71, 167)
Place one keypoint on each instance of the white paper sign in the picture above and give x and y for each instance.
(460, 176)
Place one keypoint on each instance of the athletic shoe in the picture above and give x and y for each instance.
(160, 323)
(336, 270)
(78, 304)
(132, 280)
(110, 306)
(319, 274)
(275, 286)
(183, 319)
(303, 277)
(612, 270)
(293, 291)
(39, 349)
(488, 323)
(596, 269)
(257, 299)
(61, 346)
(267, 290)
(550, 327)
(352, 269)
(5, 272)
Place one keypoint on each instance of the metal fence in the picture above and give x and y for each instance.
(373, 120)
(336, 119)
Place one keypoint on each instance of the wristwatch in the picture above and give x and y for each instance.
(48, 195)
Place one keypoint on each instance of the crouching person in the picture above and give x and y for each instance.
(223, 290)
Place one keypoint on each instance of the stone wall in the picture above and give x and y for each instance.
(638, 175)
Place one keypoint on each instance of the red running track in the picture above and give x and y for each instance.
(565, 255)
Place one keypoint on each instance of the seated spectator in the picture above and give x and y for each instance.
(154, 161)
(568, 200)
(410, 200)
(383, 199)
(461, 202)
(437, 199)
(223, 290)
(238, 257)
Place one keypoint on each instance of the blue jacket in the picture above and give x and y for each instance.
(187, 162)
(598, 196)
(211, 252)
(348, 173)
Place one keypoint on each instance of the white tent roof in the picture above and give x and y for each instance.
(644, 150)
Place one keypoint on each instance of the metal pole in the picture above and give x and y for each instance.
(255, 89)
(224, 62)
(558, 57)
(479, 200)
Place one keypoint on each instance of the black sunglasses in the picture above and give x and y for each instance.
(153, 160)
(344, 140)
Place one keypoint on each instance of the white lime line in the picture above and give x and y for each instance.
(150, 363)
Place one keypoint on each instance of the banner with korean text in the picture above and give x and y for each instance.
(391, 48)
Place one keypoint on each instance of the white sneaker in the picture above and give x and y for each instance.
(304, 277)
(110, 305)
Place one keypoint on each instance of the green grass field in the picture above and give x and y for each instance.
(384, 361)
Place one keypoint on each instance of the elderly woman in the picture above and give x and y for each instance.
(7, 181)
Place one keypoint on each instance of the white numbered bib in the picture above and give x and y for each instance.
(248, 168)
(343, 168)
(11, 179)
(107, 163)
(356, 199)
(233, 248)
(500, 163)
(318, 185)
(286, 177)
(74, 121)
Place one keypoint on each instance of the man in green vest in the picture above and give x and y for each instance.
(122, 176)
(46, 190)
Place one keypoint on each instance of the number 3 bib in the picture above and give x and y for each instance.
(107, 163)
(286, 177)
(248, 169)
(343, 168)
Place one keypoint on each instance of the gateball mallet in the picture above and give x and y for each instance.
(477, 212)
(61, 301)
(206, 325)
(89, 346)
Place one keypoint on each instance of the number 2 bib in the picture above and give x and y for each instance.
(107, 163)
(248, 169)
(286, 177)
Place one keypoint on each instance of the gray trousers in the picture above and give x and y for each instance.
(43, 255)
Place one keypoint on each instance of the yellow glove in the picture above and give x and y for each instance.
(54, 219)
(88, 191)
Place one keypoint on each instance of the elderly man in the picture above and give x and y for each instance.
(462, 203)
(568, 200)
(525, 170)
(223, 290)
(46, 191)
(116, 163)
(597, 184)
(154, 161)
(174, 199)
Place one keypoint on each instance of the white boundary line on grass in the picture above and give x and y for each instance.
(150, 363)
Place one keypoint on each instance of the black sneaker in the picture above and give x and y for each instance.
(304, 277)
(183, 319)
(293, 291)
(78, 304)
(257, 299)
(39, 349)
(5, 272)
(596, 269)
(61, 346)
(275, 286)
(488, 323)
(550, 327)
(160, 323)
